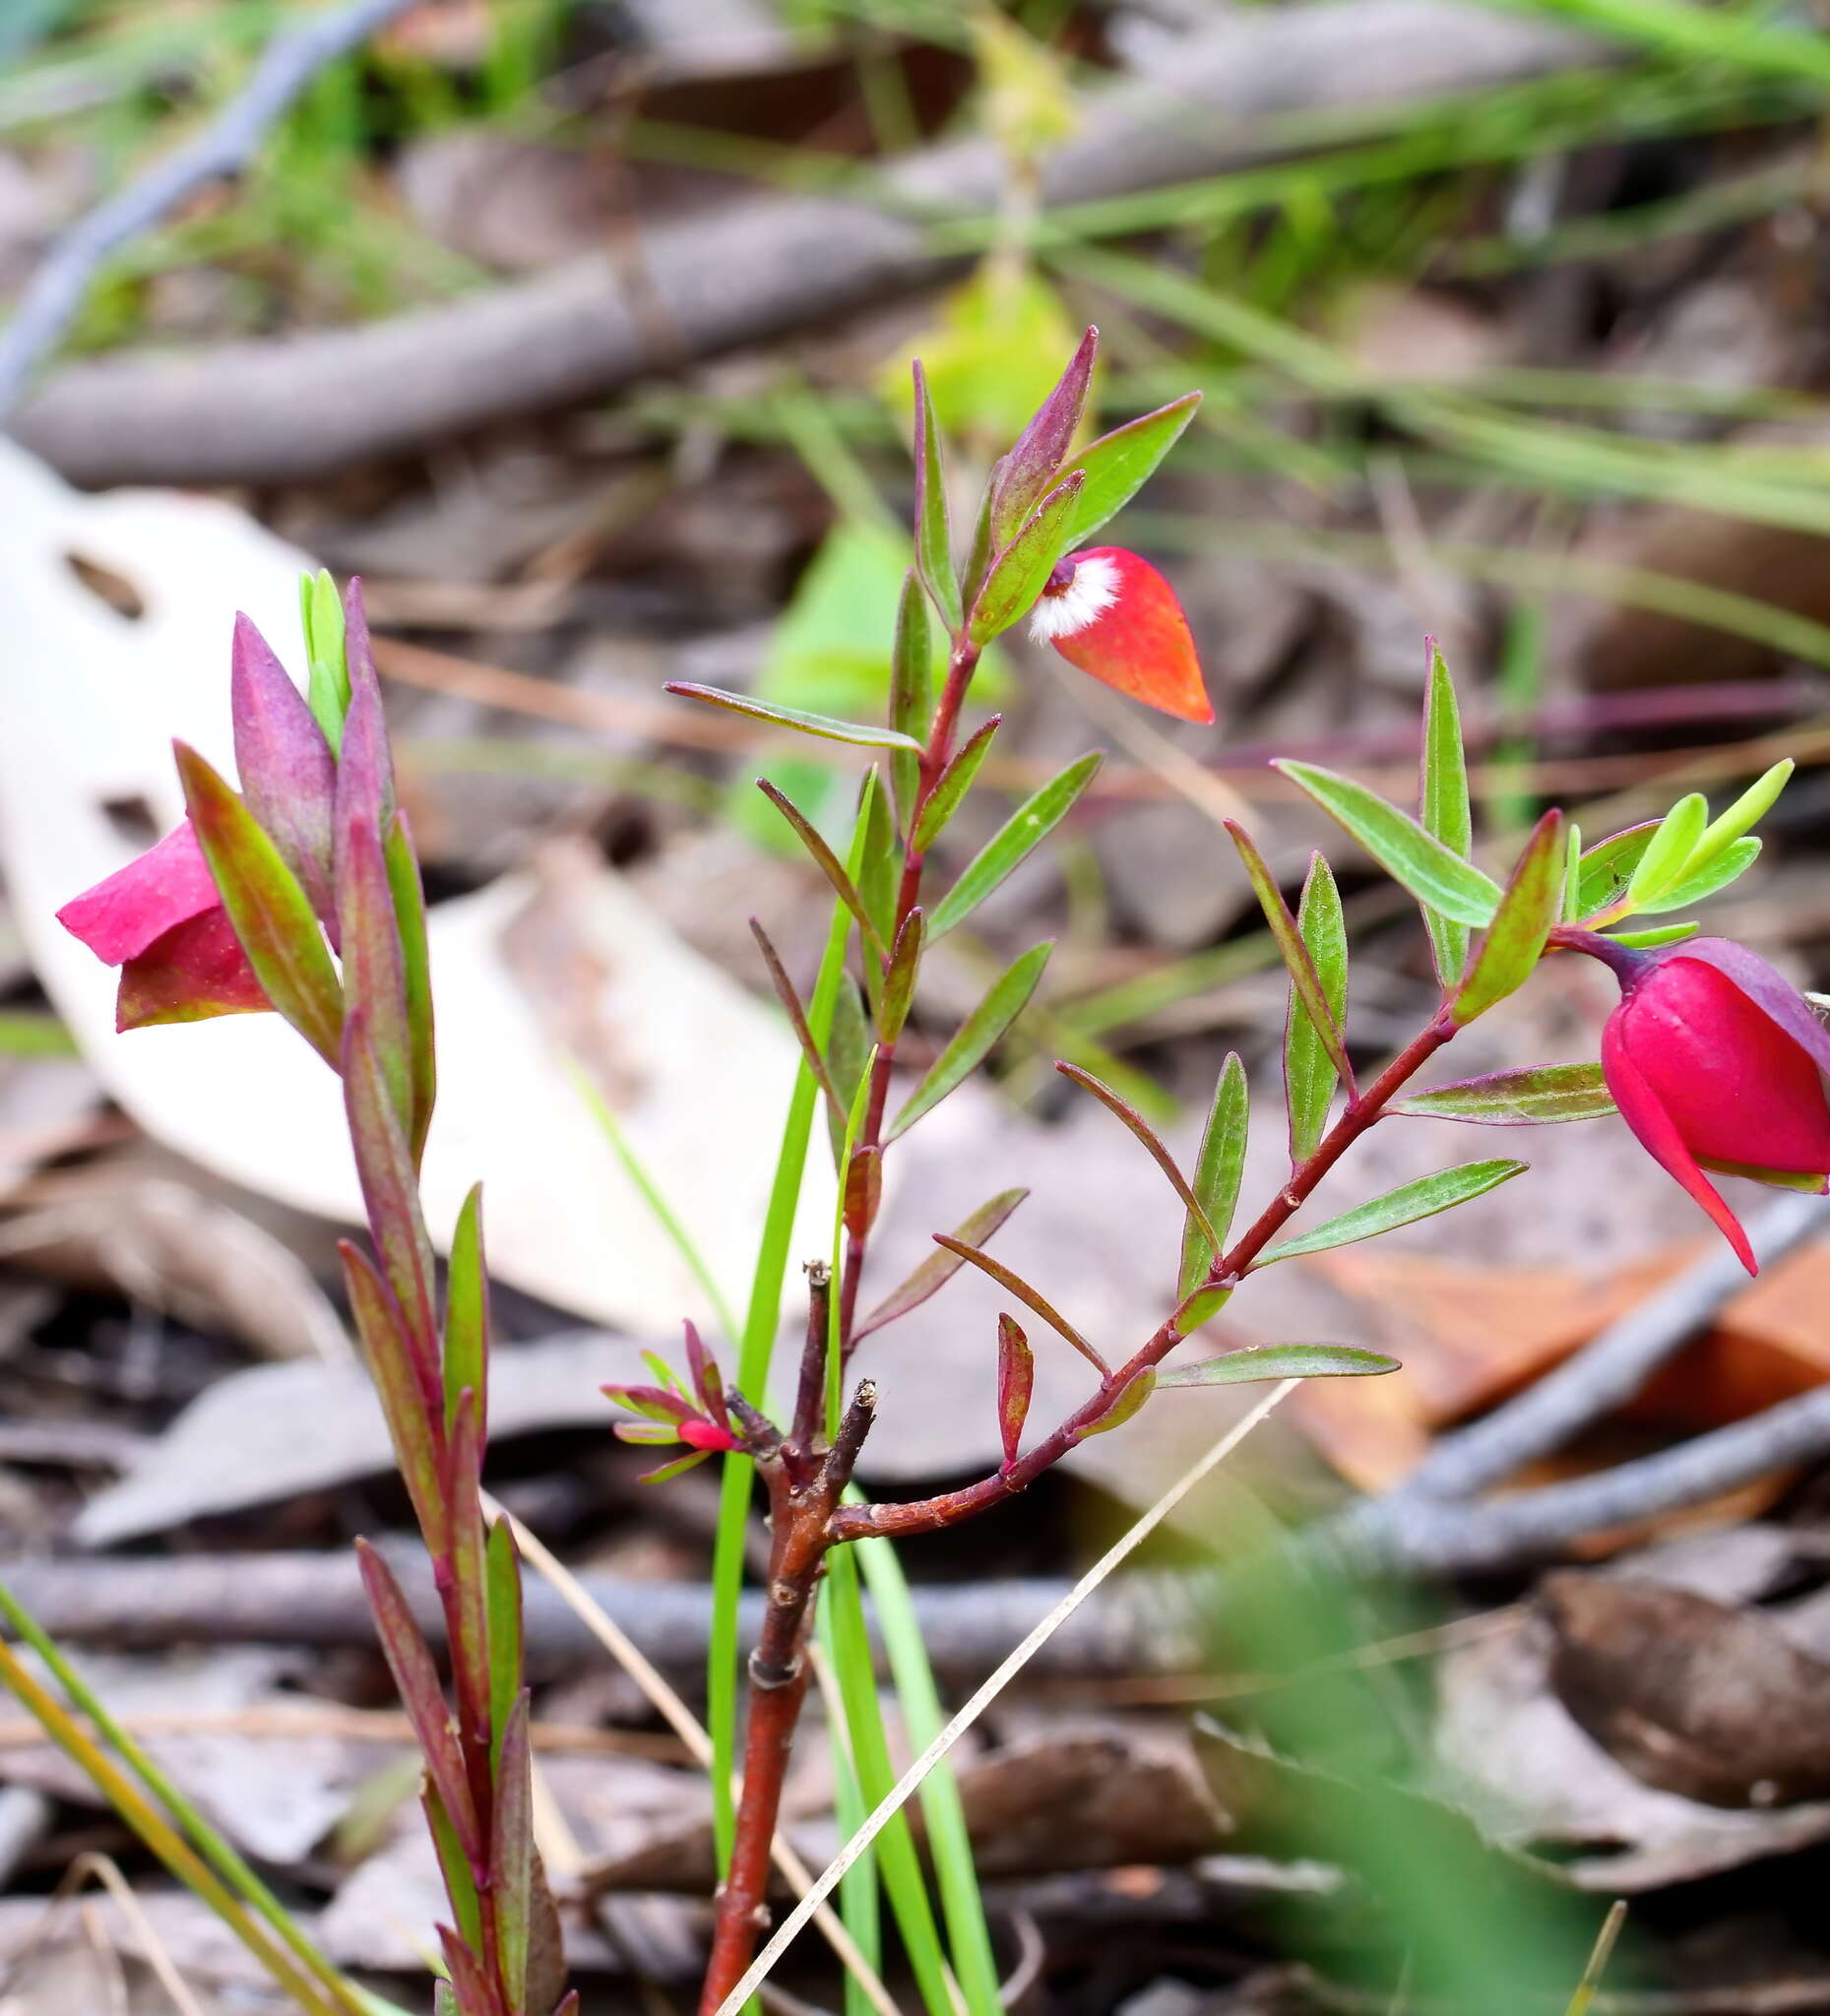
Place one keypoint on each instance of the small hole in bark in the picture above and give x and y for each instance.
(120, 594)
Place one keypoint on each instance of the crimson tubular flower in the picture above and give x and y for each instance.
(1717, 1063)
(161, 921)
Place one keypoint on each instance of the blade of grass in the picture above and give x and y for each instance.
(222, 1857)
(1013, 1663)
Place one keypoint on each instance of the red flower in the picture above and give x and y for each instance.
(161, 921)
(1717, 1063)
(1115, 616)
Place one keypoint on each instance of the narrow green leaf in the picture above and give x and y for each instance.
(826, 862)
(1443, 805)
(1119, 465)
(1535, 1095)
(1403, 1206)
(880, 868)
(459, 1885)
(320, 616)
(1218, 1169)
(1668, 850)
(1152, 1142)
(1753, 804)
(933, 539)
(953, 784)
(1572, 873)
(939, 1268)
(1030, 1297)
(1306, 982)
(900, 980)
(502, 1579)
(511, 1875)
(1310, 1074)
(860, 734)
(1020, 572)
(980, 1031)
(1026, 828)
(1126, 1407)
(408, 893)
(1514, 941)
(1200, 1305)
(1658, 934)
(1608, 867)
(271, 914)
(797, 1018)
(468, 1594)
(1278, 1362)
(1402, 848)
(848, 1048)
(467, 1313)
(1723, 869)
(912, 692)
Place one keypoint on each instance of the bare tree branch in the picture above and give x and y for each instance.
(225, 147)
(290, 407)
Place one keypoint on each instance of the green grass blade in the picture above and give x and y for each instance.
(755, 1347)
(949, 1846)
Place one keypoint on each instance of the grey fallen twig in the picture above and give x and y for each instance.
(282, 408)
(225, 147)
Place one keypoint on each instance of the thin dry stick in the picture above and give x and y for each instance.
(106, 1872)
(909, 1783)
(681, 1720)
(224, 147)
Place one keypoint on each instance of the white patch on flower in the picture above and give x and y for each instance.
(1092, 591)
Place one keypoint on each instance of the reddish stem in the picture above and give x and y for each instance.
(928, 1515)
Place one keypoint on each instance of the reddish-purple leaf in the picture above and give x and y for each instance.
(934, 1273)
(706, 1381)
(863, 1190)
(382, 1332)
(288, 775)
(1030, 1297)
(374, 973)
(271, 914)
(1019, 478)
(474, 1995)
(410, 1663)
(656, 1403)
(391, 1196)
(1152, 1142)
(1016, 1381)
(512, 1855)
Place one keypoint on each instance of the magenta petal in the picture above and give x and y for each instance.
(1658, 1135)
(708, 1435)
(1770, 991)
(197, 970)
(121, 917)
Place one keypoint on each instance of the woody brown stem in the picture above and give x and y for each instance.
(949, 1508)
(800, 1513)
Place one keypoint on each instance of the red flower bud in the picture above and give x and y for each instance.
(161, 921)
(1717, 1063)
(1115, 616)
(708, 1435)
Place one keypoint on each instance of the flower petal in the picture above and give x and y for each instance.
(1770, 991)
(1658, 1135)
(1133, 637)
(119, 919)
(197, 970)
